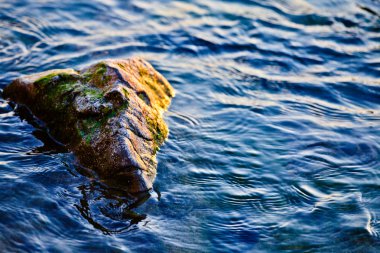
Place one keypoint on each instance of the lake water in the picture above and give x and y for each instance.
(274, 139)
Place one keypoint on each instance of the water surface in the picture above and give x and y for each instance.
(274, 132)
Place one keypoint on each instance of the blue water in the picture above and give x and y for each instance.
(274, 139)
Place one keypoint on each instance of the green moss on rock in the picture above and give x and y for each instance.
(97, 75)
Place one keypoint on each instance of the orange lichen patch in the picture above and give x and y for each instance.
(145, 80)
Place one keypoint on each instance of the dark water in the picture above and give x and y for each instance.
(274, 133)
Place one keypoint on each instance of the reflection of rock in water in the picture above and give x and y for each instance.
(108, 209)
(109, 115)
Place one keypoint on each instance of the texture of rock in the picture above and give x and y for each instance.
(109, 115)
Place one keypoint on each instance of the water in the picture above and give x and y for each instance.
(274, 132)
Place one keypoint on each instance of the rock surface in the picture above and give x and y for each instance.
(109, 115)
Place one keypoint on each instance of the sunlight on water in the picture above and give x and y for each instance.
(274, 131)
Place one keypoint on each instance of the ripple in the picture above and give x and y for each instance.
(273, 141)
(184, 119)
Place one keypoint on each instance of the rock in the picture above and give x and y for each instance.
(109, 115)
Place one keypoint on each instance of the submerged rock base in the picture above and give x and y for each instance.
(109, 115)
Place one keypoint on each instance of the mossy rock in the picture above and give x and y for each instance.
(108, 114)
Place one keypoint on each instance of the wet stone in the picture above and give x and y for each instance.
(109, 114)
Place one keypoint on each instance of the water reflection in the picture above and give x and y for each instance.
(274, 132)
(110, 210)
